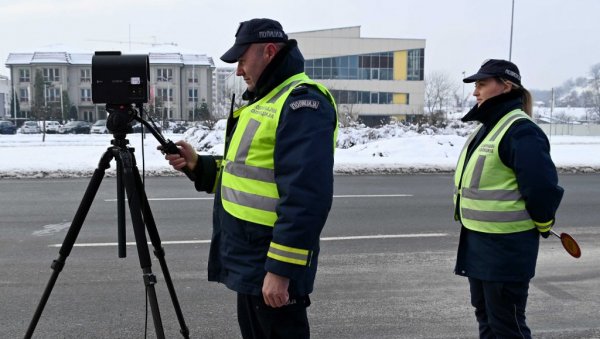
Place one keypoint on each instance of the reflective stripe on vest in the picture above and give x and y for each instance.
(248, 189)
(489, 195)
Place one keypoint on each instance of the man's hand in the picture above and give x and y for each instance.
(187, 156)
(275, 290)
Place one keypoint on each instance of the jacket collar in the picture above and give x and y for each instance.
(493, 109)
(289, 61)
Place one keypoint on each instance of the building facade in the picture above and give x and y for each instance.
(180, 84)
(373, 80)
(4, 98)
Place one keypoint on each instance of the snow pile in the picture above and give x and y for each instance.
(394, 148)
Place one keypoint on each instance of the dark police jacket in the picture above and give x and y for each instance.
(303, 161)
(526, 150)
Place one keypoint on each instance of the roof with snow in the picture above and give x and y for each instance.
(171, 58)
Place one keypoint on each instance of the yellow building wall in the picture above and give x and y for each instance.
(400, 65)
(400, 98)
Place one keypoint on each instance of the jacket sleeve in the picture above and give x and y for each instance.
(303, 158)
(206, 172)
(525, 149)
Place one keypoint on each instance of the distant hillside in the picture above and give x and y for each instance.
(577, 92)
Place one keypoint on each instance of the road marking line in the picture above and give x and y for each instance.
(181, 242)
(335, 196)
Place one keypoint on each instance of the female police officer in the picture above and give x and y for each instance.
(506, 195)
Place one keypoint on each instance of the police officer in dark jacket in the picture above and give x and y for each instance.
(506, 195)
(274, 186)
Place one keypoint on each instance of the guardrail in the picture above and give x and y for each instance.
(571, 129)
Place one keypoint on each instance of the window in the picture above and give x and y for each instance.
(24, 75)
(23, 95)
(88, 115)
(192, 76)
(416, 61)
(165, 94)
(52, 94)
(164, 74)
(51, 74)
(374, 97)
(86, 95)
(86, 75)
(193, 95)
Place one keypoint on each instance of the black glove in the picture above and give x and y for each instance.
(545, 235)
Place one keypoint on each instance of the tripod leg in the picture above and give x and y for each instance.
(159, 250)
(121, 238)
(140, 237)
(67, 245)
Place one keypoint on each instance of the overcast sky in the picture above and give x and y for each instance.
(553, 40)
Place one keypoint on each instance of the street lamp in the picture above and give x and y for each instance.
(512, 16)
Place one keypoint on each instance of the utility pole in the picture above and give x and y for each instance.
(463, 99)
(512, 16)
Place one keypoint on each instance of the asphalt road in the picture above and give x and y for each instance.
(385, 270)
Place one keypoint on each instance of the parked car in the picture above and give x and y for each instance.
(137, 128)
(99, 127)
(7, 127)
(180, 127)
(30, 127)
(52, 126)
(75, 127)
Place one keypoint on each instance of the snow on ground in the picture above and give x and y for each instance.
(391, 149)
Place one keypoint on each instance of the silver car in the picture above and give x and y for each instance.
(30, 127)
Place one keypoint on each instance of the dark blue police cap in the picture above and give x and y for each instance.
(496, 68)
(254, 31)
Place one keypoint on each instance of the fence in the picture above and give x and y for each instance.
(571, 129)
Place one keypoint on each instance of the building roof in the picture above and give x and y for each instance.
(86, 58)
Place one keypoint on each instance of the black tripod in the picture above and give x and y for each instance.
(128, 179)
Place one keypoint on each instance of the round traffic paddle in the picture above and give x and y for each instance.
(569, 244)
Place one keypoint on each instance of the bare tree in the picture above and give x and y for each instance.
(593, 98)
(347, 114)
(438, 90)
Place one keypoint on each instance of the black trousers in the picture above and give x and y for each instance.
(259, 321)
(500, 308)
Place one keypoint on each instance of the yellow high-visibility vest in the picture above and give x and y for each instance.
(248, 189)
(486, 189)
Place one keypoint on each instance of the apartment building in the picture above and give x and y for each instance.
(179, 85)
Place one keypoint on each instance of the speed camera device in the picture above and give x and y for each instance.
(120, 79)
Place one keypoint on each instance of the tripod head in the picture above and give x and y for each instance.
(118, 122)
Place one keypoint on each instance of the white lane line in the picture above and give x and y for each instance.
(372, 195)
(182, 242)
(335, 196)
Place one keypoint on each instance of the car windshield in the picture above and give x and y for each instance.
(100, 123)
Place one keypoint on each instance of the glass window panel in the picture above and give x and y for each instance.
(343, 61)
(374, 97)
(327, 73)
(353, 61)
(326, 62)
(365, 97)
(375, 61)
(374, 73)
(352, 97)
(318, 63)
(365, 74)
(308, 63)
(318, 73)
(353, 73)
(309, 71)
(384, 62)
(343, 73)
